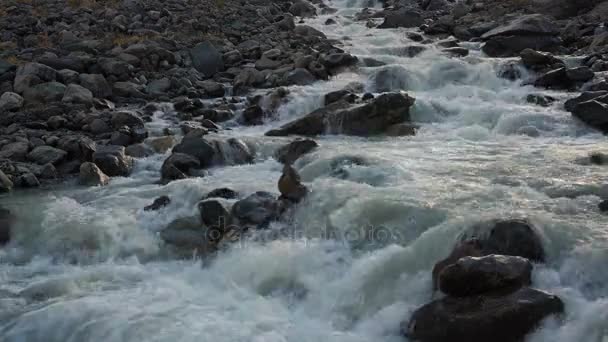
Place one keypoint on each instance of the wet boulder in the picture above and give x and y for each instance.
(290, 185)
(158, 203)
(341, 118)
(7, 221)
(586, 96)
(291, 152)
(42, 155)
(477, 275)
(214, 214)
(338, 60)
(6, 185)
(222, 193)
(510, 46)
(488, 317)
(593, 113)
(302, 8)
(91, 175)
(541, 100)
(536, 60)
(402, 18)
(113, 161)
(526, 25)
(299, 76)
(10, 101)
(253, 115)
(198, 147)
(256, 209)
(178, 166)
(187, 234)
(338, 95)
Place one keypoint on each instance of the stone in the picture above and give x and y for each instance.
(31, 74)
(6, 185)
(206, 59)
(91, 175)
(75, 93)
(44, 92)
(78, 147)
(97, 84)
(7, 221)
(593, 113)
(290, 185)
(225, 193)
(138, 151)
(535, 60)
(471, 276)
(127, 90)
(554, 79)
(15, 151)
(99, 126)
(489, 317)
(457, 51)
(291, 152)
(302, 8)
(28, 180)
(364, 120)
(56, 122)
(10, 101)
(584, 97)
(197, 146)
(510, 46)
(526, 25)
(308, 31)
(257, 209)
(212, 89)
(338, 60)
(580, 74)
(402, 18)
(338, 95)
(541, 100)
(402, 129)
(158, 87)
(214, 214)
(178, 166)
(299, 76)
(162, 144)
(42, 155)
(603, 206)
(187, 233)
(158, 203)
(113, 161)
(253, 115)
(126, 118)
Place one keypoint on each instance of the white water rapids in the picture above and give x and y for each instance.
(86, 264)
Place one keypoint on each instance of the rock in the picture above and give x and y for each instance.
(338, 95)
(212, 89)
(75, 93)
(126, 118)
(97, 84)
(526, 25)
(28, 180)
(158, 87)
(10, 101)
(206, 59)
(178, 166)
(48, 171)
(330, 21)
(266, 63)
(593, 113)
(222, 193)
(31, 74)
(303, 8)
(78, 147)
(338, 60)
(6, 185)
(162, 144)
(402, 129)
(253, 115)
(541, 100)
(127, 90)
(257, 209)
(584, 97)
(42, 155)
(299, 76)
(113, 161)
(187, 233)
(471, 276)
(489, 317)
(603, 206)
(291, 152)
(307, 31)
(290, 185)
(7, 221)
(214, 214)
(91, 175)
(138, 151)
(580, 74)
(158, 203)
(457, 51)
(402, 18)
(204, 151)
(536, 60)
(391, 78)
(15, 151)
(364, 120)
(554, 79)
(233, 152)
(44, 92)
(510, 46)
(56, 122)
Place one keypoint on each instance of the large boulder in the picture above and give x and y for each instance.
(289, 153)
(586, 96)
(91, 175)
(31, 74)
(6, 185)
(214, 214)
(198, 147)
(489, 317)
(510, 46)
(178, 166)
(363, 120)
(187, 234)
(206, 59)
(526, 25)
(402, 18)
(44, 93)
(256, 209)
(593, 113)
(75, 93)
(113, 161)
(302, 8)
(43, 155)
(290, 185)
(472, 276)
(97, 84)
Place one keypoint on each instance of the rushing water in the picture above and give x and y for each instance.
(87, 264)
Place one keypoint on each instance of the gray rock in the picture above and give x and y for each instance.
(257, 209)
(28, 180)
(126, 118)
(31, 74)
(402, 18)
(67, 76)
(290, 185)
(44, 92)
(586, 96)
(214, 214)
(6, 185)
(534, 60)
(593, 113)
(471, 276)
(490, 317)
(139, 151)
(186, 233)
(158, 203)
(526, 25)
(15, 151)
(115, 67)
(78, 147)
(510, 46)
(99, 126)
(178, 166)
(91, 175)
(128, 89)
(42, 155)
(162, 144)
(580, 74)
(299, 77)
(338, 60)
(364, 120)
(97, 84)
(222, 193)
(302, 8)
(198, 147)
(56, 122)
(212, 89)
(307, 31)
(75, 93)
(158, 87)
(253, 115)
(10, 101)
(113, 161)
(291, 152)
(206, 59)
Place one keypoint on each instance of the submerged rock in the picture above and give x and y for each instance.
(489, 317)
(222, 193)
(363, 120)
(113, 161)
(257, 209)
(158, 203)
